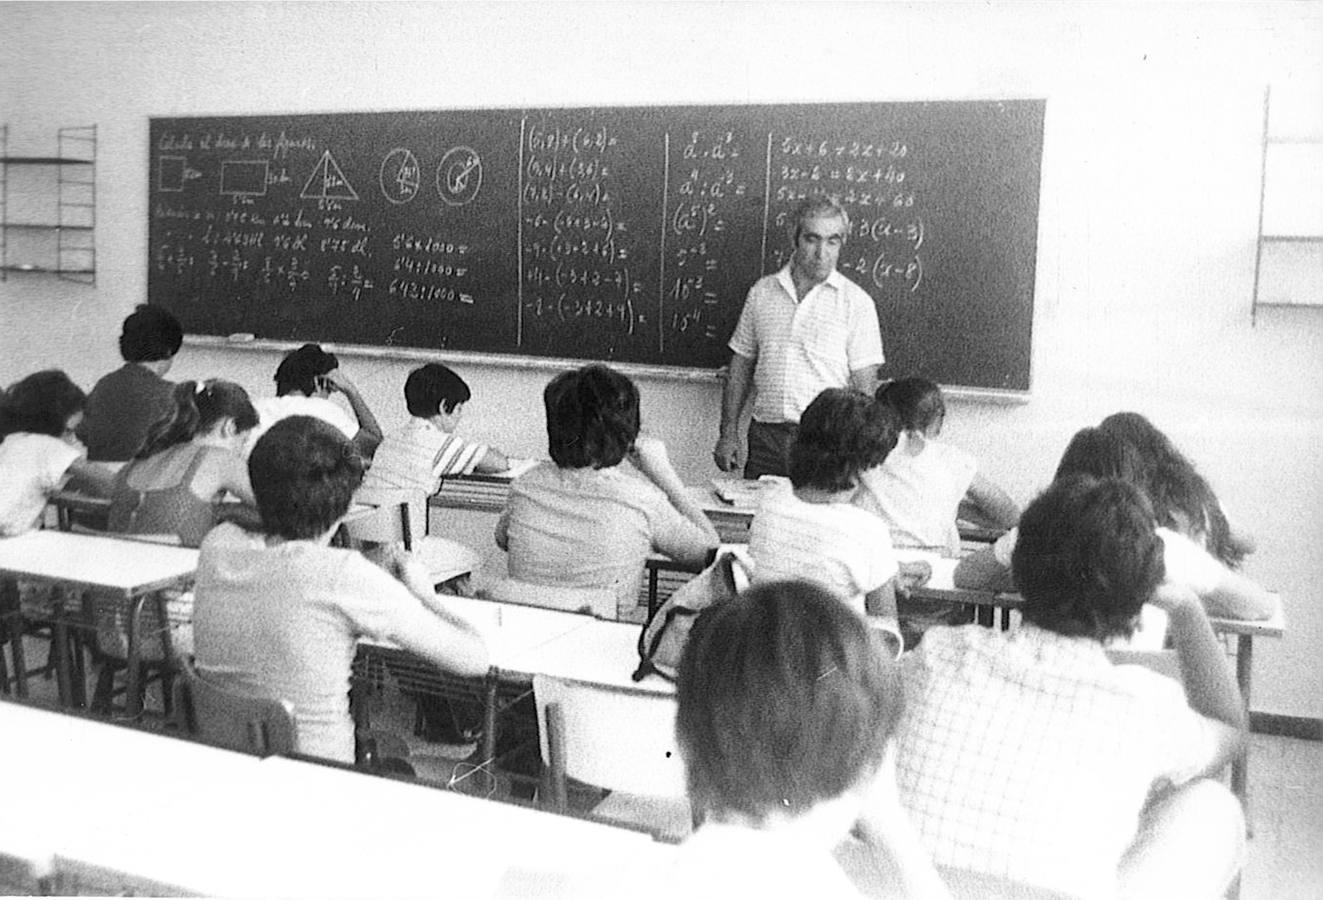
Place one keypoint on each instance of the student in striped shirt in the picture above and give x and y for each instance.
(426, 450)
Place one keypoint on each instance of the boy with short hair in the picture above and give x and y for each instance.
(426, 450)
(278, 612)
(1027, 755)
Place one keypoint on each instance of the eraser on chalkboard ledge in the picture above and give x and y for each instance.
(241, 337)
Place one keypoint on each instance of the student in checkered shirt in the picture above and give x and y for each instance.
(1028, 756)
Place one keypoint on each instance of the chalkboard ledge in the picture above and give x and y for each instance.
(248, 342)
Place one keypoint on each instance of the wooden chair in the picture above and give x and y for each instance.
(599, 602)
(618, 738)
(249, 723)
(401, 519)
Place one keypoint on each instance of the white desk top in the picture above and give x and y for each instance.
(512, 631)
(601, 653)
(222, 823)
(96, 561)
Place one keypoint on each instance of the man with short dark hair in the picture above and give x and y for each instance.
(1028, 756)
(802, 329)
(125, 403)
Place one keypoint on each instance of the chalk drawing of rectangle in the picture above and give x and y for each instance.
(170, 171)
(243, 177)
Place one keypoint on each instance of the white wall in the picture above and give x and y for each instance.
(1147, 223)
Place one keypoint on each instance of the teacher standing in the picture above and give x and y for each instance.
(802, 329)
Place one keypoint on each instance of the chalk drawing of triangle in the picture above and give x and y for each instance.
(327, 182)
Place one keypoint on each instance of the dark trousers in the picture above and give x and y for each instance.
(769, 448)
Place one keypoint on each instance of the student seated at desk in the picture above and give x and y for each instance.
(1183, 499)
(919, 489)
(305, 380)
(1103, 453)
(583, 521)
(427, 449)
(189, 462)
(1027, 755)
(786, 710)
(125, 403)
(811, 528)
(278, 612)
(38, 450)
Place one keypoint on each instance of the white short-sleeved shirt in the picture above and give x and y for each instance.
(804, 347)
(32, 466)
(284, 619)
(271, 410)
(917, 490)
(592, 528)
(419, 455)
(1027, 755)
(835, 544)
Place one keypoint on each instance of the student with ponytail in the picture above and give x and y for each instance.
(189, 461)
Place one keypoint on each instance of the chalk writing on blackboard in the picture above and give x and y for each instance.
(621, 234)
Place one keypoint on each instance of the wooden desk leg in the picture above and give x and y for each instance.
(653, 575)
(1240, 766)
(60, 639)
(489, 720)
(133, 676)
(20, 658)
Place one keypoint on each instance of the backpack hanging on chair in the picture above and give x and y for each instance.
(662, 640)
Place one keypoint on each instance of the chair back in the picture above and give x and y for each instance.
(599, 602)
(262, 726)
(401, 517)
(618, 738)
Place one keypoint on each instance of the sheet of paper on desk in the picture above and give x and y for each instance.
(741, 492)
(517, 467)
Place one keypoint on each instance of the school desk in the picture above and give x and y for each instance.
(128, 571)
(155, 813)
(511, 632)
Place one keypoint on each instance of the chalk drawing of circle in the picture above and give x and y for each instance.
(459, 176)
(400, 176)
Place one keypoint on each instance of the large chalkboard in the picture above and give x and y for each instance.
(619, 234)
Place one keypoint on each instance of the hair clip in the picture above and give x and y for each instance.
(200, 389)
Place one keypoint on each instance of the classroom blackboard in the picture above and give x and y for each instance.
(620, 234)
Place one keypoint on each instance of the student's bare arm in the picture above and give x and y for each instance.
(995, 504)
(734, 396)
(649, 457)
(455, 644)
(1210, 685)
(865, 380)
(369, 434)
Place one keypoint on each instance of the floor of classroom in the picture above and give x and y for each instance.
(1286, 791)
